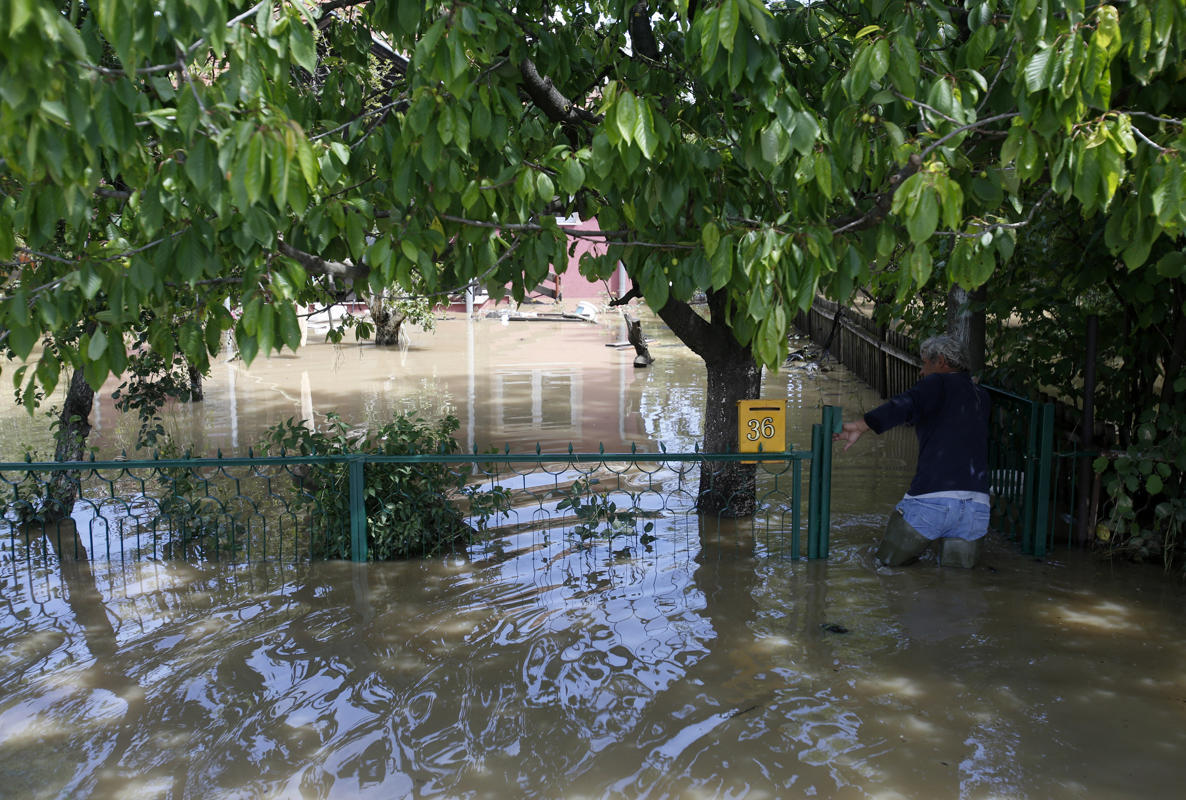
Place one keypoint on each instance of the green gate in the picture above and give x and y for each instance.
(1021, 469)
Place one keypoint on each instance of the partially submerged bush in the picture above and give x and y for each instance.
(599, 517)
(1145, 511)
(412, 509)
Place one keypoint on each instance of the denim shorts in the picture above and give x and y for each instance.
(945, 517)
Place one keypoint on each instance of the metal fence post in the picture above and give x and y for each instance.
(358, 514)
(796, 506)
(831, 423)
(1029, 497)
(813, 491)
(1045, 470)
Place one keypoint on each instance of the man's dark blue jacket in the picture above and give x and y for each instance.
(950, 416)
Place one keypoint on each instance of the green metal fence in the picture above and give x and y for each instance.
(297, 507)
(1021, 468)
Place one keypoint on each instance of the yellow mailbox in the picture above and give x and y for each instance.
(761, 424)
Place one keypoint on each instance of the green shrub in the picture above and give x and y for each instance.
(1145, 511)
(412, 509)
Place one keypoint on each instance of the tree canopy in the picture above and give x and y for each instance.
(158, 159)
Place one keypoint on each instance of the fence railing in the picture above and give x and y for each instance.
(1021, 469)
(360, 506)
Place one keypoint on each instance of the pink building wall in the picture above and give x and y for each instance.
(573, 285)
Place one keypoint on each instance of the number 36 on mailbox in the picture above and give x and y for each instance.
(761, 426)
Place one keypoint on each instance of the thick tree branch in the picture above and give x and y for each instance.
(691, 328)
(630, 295)
(550, 100)
(315, 265)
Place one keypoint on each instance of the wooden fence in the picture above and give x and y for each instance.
(883, 358)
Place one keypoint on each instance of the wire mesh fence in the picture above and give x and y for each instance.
(363, 506)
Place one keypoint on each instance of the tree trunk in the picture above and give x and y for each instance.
(196, 393)
(387, 321)
(727, 488)
(967, 325)
(642, 357)
(73, 429)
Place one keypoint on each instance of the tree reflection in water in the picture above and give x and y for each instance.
(539, 668)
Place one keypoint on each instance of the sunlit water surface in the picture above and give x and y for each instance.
(697, 667)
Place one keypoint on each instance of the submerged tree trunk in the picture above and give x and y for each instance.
(387, 320)
(642, 357)
(196, 392)
(71, 435)
(727, 488)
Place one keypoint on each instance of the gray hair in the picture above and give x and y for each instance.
(947, 347)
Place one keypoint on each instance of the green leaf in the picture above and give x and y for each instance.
(626, 115)
(710, 236)
(191, 341)
(19, 15)
(1172, 265)
(302, 47)
(21, 339)
(768, 140)
(920, 265)
(7, 239)
(266, 331)
(925, 219)
(644, 130)
(95, 371)
(48, 371)
(879, 56)
(727, 20)
(290, 328)
(804, 133)
(1036, 71)
(722, 263)
(572, 176)
(655, 285)
(97, 345)
(201, 166)
(1028, 164)
(409, 15)
(254, 166)
(1087, 179)
(89, 282)
(859, 75)
(248, 347)
(823, 174)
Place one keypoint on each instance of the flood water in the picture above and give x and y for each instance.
(699, 668)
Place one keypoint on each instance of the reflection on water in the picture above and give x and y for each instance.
(539, 667)
(541, 670)
(516, 385)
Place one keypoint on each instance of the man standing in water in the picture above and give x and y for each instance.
(948, 498)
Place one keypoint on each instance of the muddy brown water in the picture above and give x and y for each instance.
(699, 668)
